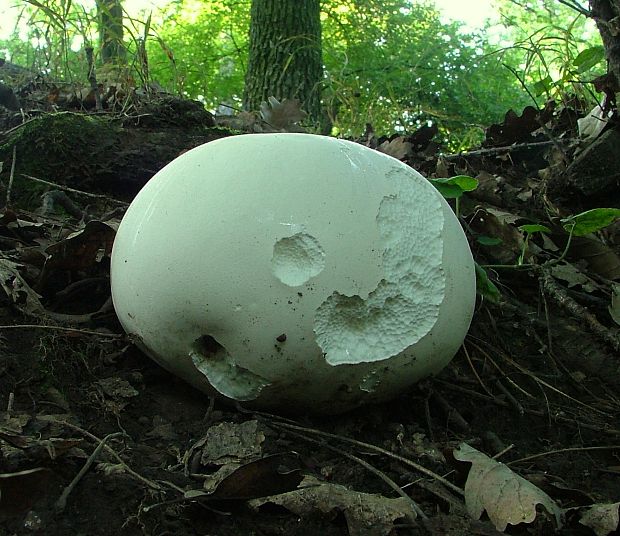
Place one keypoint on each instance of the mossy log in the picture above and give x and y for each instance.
(114, 155)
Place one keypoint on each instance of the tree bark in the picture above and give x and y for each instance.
(606, 14)
(111, 31)
(285, 54)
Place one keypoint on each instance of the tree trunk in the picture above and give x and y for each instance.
(285, 54)
(111, 31)
(606, 14)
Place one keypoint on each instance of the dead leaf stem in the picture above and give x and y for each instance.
(61, 503)
(149, 483)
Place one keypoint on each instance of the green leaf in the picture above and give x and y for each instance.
(54, 17)
(489, 241)
(449, 191)
(465, 182)
(534, 228)
(484, 286)
(542, 86)
(591, 221)
(454, 187)
(589, 58)
(147, 27)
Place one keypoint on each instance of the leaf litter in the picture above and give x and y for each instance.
(507, 498)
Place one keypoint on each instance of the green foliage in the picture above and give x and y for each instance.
(581, 224)
(530, 229)
(200, 50)
(48, 37)
(484, 286)
(394, 64)
(589, 58)
(391, 63)
(454, 187)
(590, 221)
(489, 241)
(554, 50)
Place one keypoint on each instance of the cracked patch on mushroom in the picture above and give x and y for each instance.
(297, 258)
(404, 306)
(226, 377)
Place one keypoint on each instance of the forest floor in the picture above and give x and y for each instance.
(97, 439)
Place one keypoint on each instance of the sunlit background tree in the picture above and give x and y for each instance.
(396, 64)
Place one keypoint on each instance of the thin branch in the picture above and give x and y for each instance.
(414, 506)
(494, 151)
(62, 328)
(573, 4)
(11, 177)
(73, 190)
(275, 421)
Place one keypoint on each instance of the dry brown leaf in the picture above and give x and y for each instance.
(83, 248)
(497, 224)
(398, 148)
(16, 288)
(603, 519)
(573, 277)
(593, 124)
(508, 498)
(366, 514)
(282, 116)
(230, 442)
(268, 476)
(601, 259)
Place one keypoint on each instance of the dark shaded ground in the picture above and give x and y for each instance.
(536, 384)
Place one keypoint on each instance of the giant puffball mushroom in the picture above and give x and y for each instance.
(293, 272)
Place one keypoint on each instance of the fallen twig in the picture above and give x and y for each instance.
(492, 151)
(80, 192)
(606, 335)
(563, 451)
(529, 411)
(62, 328)
(419, 512)
(9, 188)
(279, 422)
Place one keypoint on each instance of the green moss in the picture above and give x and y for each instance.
(64, 148)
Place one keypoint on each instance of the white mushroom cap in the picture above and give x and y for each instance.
(293, 271)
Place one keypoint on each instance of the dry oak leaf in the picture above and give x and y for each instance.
(16, 288)
(282, 116)
(398, 148)
(83, 248)
(603, 519)
(366, 514)
(229, 442)
(508, 498)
